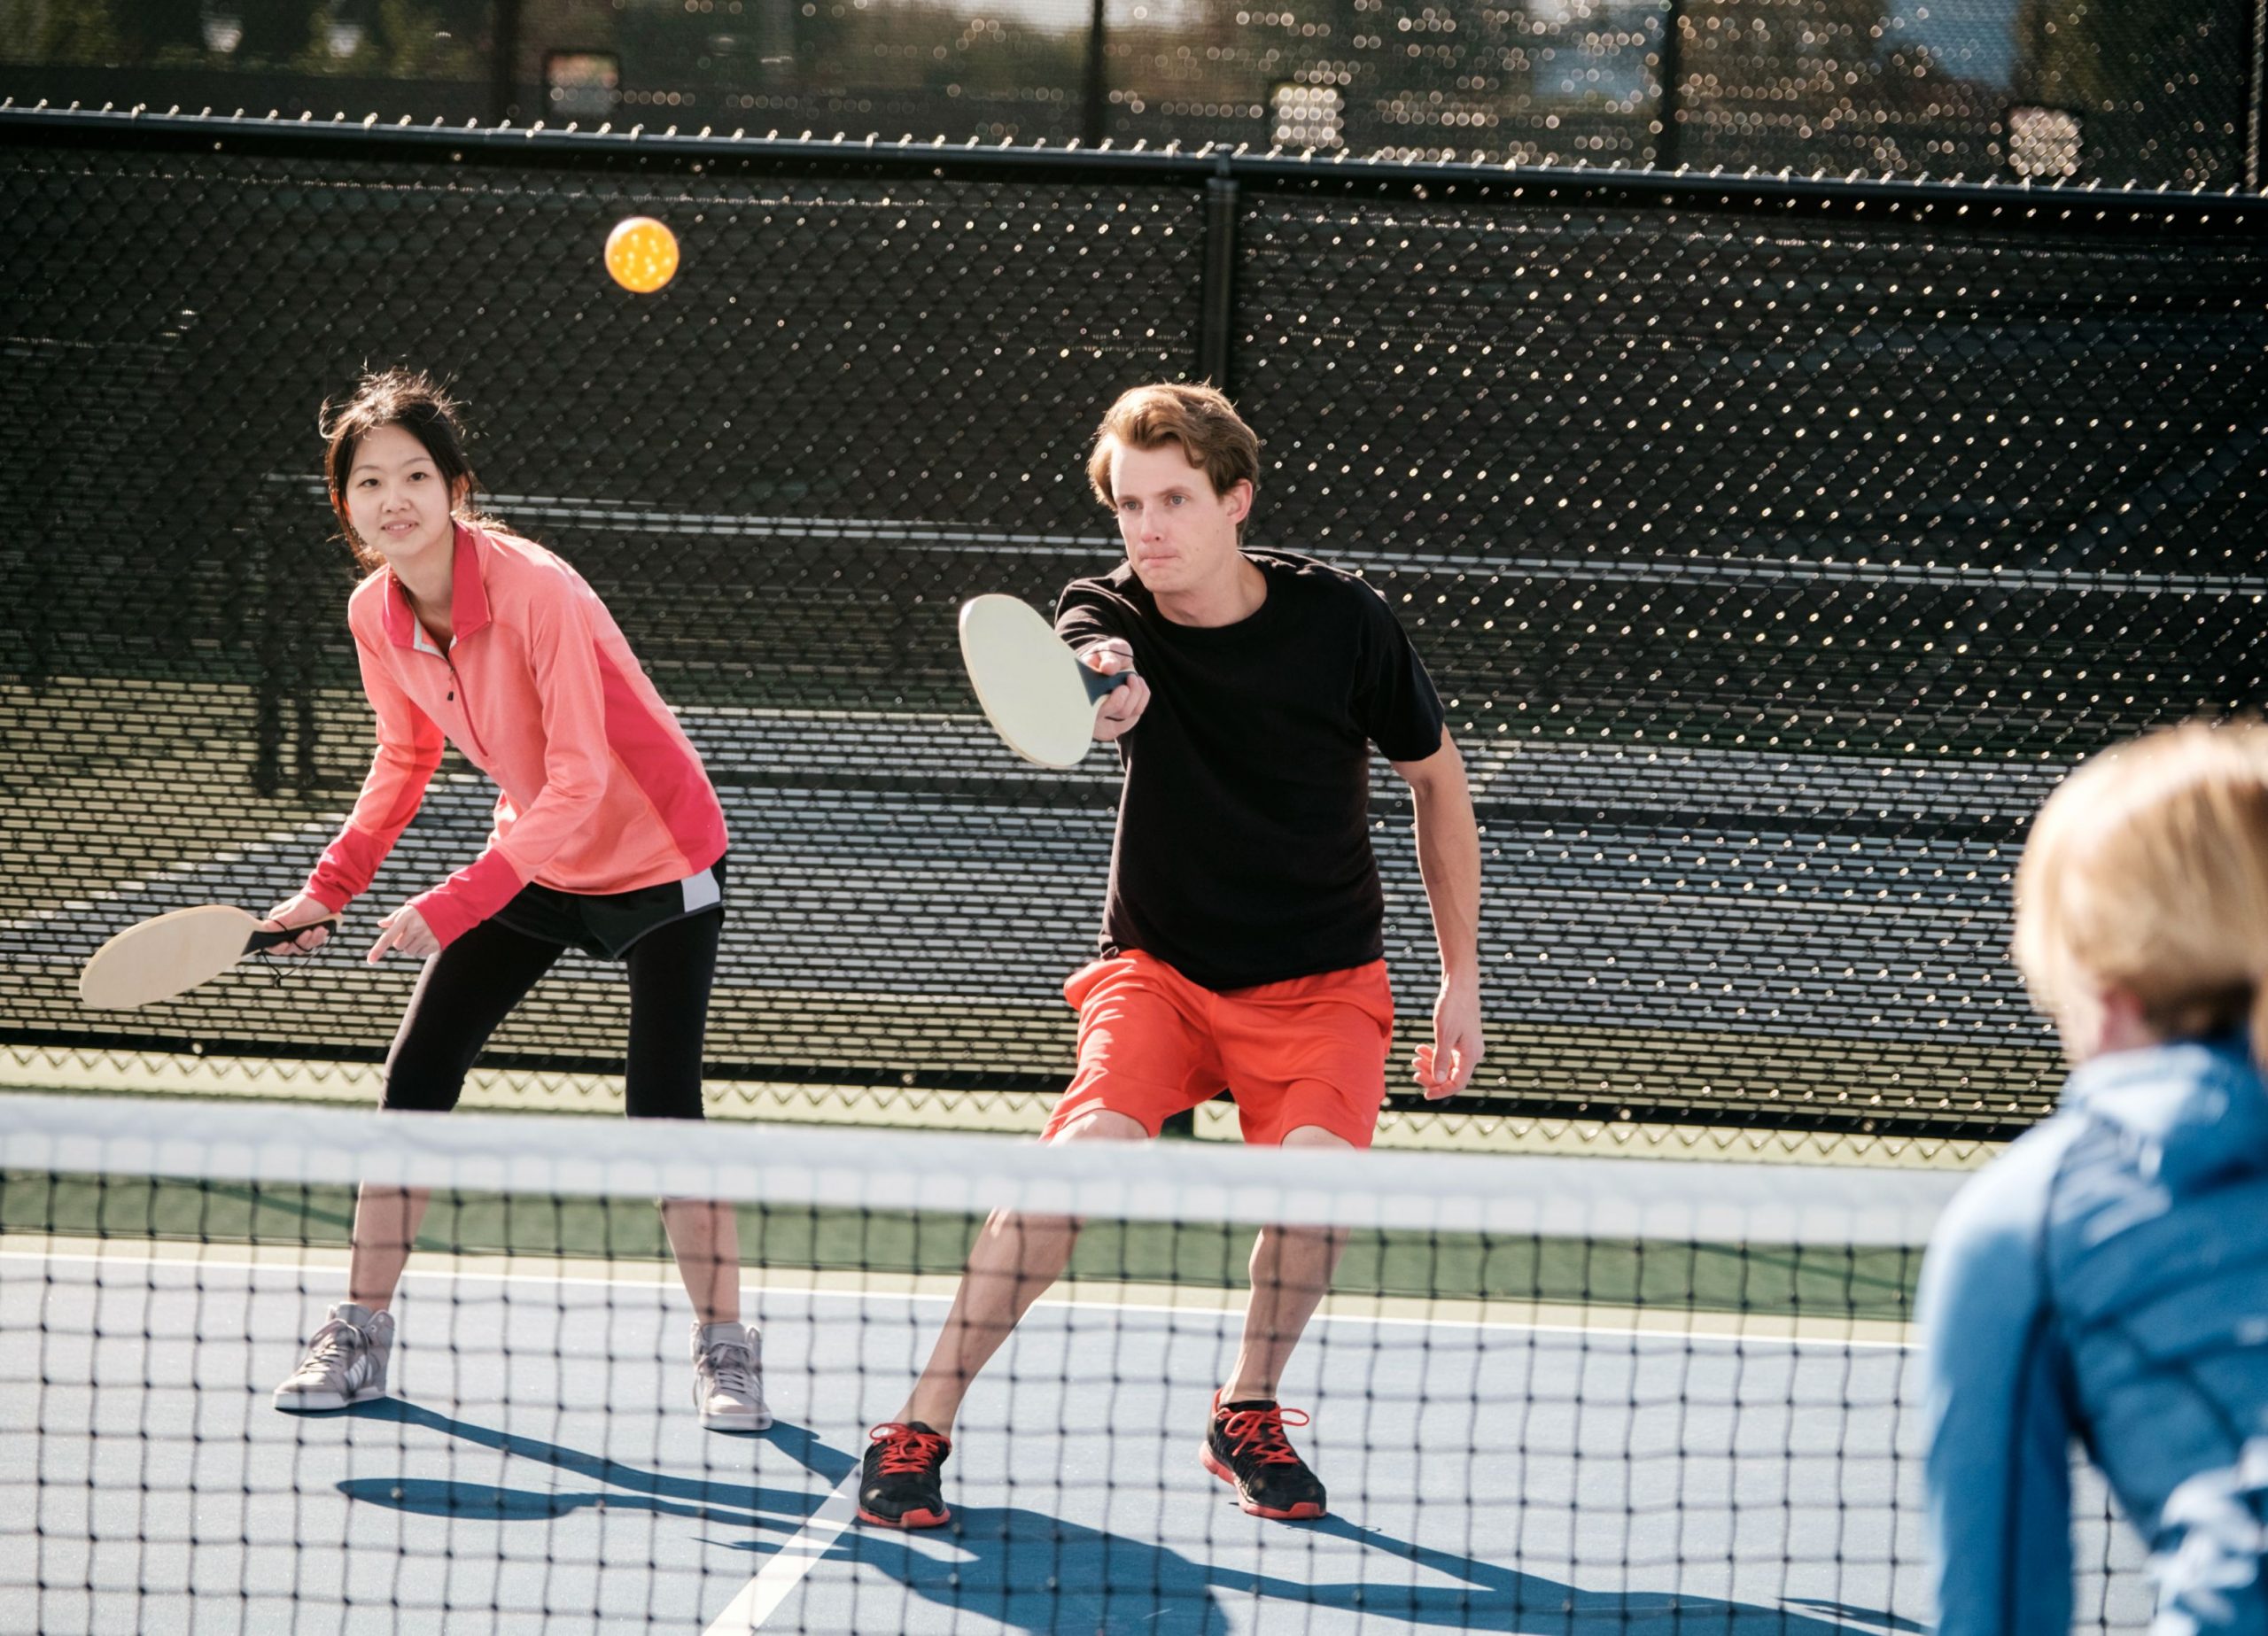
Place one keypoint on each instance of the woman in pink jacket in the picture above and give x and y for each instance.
(608, 838)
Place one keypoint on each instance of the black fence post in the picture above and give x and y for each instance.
(1215, 350)
(504, 61)
(1671, 66)
(2255, 77)
(1217, 338)
(1098, 76)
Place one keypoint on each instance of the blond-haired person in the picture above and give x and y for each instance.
(1243, 937)
(2106, 1281)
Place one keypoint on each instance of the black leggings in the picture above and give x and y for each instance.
(472, 985)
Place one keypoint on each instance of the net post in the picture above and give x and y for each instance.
(2256, 77)
(1216, 338)
(504, 62)
(1670, 68)
(1097, 86)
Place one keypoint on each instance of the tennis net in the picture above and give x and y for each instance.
(1547, 1393)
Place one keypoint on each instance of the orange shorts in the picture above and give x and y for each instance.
(1309, 1051)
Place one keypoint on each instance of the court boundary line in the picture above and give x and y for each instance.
(788, 1566)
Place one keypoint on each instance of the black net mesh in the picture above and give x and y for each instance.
(1776, 549)
(1583, 1395)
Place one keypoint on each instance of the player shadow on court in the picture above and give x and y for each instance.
(721, 1501)
(1037, 1573)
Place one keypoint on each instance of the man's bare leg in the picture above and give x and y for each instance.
(1290, 1271)
(1015, 1261)
(1247, 1447)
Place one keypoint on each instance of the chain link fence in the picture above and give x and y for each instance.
(1776, 546)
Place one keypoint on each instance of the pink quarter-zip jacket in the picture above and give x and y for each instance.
(601, 789)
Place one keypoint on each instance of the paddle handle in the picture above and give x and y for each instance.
(260, 942)
(1097, 683)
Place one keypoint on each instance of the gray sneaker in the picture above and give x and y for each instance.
(346, 1362)
(728, 1376)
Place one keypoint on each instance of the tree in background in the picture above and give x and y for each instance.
(59, 31)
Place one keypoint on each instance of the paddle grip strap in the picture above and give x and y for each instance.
(1097, 683)
(260, 942)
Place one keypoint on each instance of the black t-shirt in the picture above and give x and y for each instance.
(1243, 853)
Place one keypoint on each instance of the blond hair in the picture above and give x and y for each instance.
(1201, 420)
(2146, 870)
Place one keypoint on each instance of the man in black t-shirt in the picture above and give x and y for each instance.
(1243, 937)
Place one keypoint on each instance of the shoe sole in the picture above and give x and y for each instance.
(321, 1403)
(912, 1519)
(760, 1421)
(1306, 1511)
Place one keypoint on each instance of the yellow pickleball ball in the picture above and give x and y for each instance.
(641, 254)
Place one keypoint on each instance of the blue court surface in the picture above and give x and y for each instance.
(539, 1468)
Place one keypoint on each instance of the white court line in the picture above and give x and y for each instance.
(785, 1568)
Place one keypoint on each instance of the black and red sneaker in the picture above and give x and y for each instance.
(1246, 1446)
(899, 1482)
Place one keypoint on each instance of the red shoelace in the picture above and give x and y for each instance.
(905, 1450)
(1260, 1433)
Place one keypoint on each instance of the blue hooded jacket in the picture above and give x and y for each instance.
(2107, 1280)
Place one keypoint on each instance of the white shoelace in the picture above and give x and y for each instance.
(336, 1342)
(733, 1368)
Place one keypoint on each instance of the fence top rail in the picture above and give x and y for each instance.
(707, 151)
